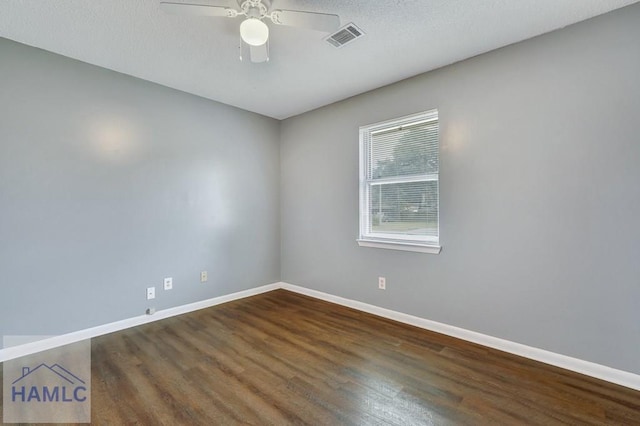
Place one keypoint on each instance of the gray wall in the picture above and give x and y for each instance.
(109, 183)
(540, 195)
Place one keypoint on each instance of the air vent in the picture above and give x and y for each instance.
(344, 35)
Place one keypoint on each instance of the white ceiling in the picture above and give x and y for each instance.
(199, 55)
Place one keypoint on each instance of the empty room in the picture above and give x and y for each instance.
(273, 212)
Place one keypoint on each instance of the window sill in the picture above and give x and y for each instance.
(393, 245)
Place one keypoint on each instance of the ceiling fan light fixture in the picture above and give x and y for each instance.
(254, 32)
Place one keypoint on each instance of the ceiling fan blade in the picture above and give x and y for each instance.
(197, 9)
(311, 20)
(259, 53)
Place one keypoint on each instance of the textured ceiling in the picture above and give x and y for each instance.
(199, 55)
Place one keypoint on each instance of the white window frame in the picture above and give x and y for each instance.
(418, 243)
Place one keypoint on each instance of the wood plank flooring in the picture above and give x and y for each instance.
(281, 358)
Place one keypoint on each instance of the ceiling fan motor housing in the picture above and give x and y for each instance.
(255, 8)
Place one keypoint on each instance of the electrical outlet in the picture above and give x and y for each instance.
(168, 283)
(151, 293)
(382, 283)
(203, 277)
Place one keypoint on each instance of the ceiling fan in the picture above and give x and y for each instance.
(254, 32)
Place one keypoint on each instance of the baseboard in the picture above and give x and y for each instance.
(76, 336)
(588, 368)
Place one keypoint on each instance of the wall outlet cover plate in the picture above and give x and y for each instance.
(168, 283)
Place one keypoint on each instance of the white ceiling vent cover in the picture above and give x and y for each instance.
(345, 35)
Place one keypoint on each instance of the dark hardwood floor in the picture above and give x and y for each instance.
(282, 358)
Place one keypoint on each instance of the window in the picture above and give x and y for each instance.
(399, 184)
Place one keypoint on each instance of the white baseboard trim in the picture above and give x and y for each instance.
(13, 352)
(588, 368)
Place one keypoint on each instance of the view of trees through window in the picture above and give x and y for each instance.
(403, 198)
